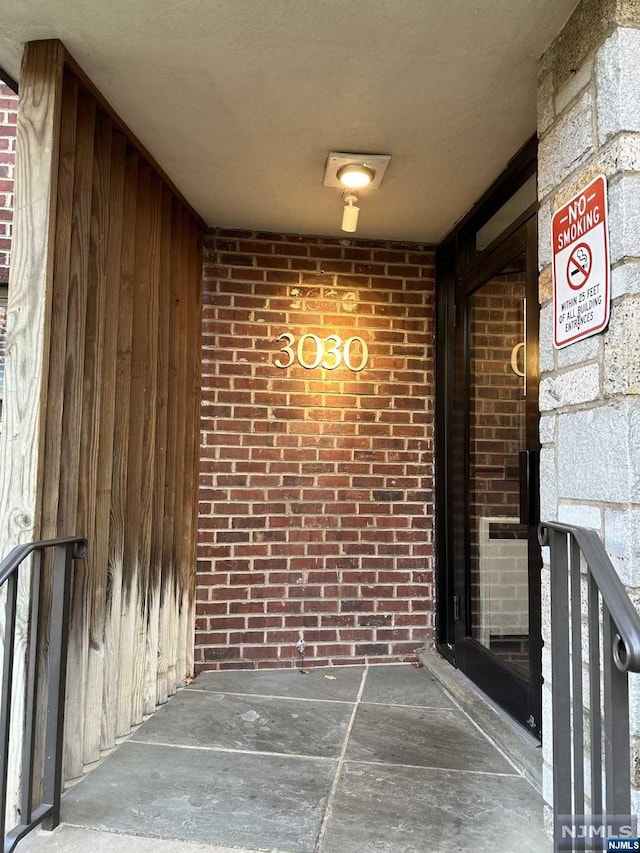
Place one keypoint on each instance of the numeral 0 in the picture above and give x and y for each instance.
(329, 354)
(364, 353)
(315, 362)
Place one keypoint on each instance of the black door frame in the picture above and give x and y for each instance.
(457, 258)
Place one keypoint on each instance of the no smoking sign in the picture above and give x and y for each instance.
(581, 291)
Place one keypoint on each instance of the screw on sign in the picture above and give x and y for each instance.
(581, 289)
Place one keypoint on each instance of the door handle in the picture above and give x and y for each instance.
(529, 487)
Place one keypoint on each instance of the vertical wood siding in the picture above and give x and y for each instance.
(113, 425)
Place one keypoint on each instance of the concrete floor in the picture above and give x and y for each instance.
(342, 760)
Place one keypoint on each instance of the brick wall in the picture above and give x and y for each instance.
(8, 110)
(316, 498)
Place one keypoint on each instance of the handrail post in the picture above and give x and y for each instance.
(595, 696)
(28, 748)
(60, 608)
(616, 730)
(7, 679)
(561, 674)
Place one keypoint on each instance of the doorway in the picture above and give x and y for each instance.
(489, 557)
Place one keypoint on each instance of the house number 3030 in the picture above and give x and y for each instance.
(311, 351)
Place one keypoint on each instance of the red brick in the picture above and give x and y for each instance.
(291, 457)
(263, 622)
(372, 649)
(211, 608)
(332, 650)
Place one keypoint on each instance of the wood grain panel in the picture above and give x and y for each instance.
(60, 298)
(116, 713)
(131, 625)
(155, 684)
(167, 670)
(97, 643)
(151, 288)
(72, 428)
(56, 379)
(92, 415)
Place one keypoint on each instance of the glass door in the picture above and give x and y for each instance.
(497, 588)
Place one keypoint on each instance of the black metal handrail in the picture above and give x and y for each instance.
(610, 614)
(47, 812)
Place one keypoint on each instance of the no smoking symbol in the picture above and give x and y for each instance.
(579, 266)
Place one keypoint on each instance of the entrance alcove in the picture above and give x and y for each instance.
(335, 505)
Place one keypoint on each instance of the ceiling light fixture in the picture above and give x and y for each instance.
(355, 176)
(350, 172)
(351, 211)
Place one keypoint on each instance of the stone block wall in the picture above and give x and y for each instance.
(589, 124)
(8, 118)
(316, 491)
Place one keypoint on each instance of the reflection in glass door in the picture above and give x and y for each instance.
(498, 542)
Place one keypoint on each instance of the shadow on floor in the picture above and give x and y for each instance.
(342, 760)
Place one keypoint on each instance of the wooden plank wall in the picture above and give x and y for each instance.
(117, 433)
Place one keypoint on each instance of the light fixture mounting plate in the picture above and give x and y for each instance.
(337, 159)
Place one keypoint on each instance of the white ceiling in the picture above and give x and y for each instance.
(240, 100)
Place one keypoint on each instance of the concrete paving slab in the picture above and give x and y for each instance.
(74, 839)
(521, 747)
(332, 683)
(419, 777)
(424, 738)
(228, 799)
(290, 726)
(414, 810)
(403, 684)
